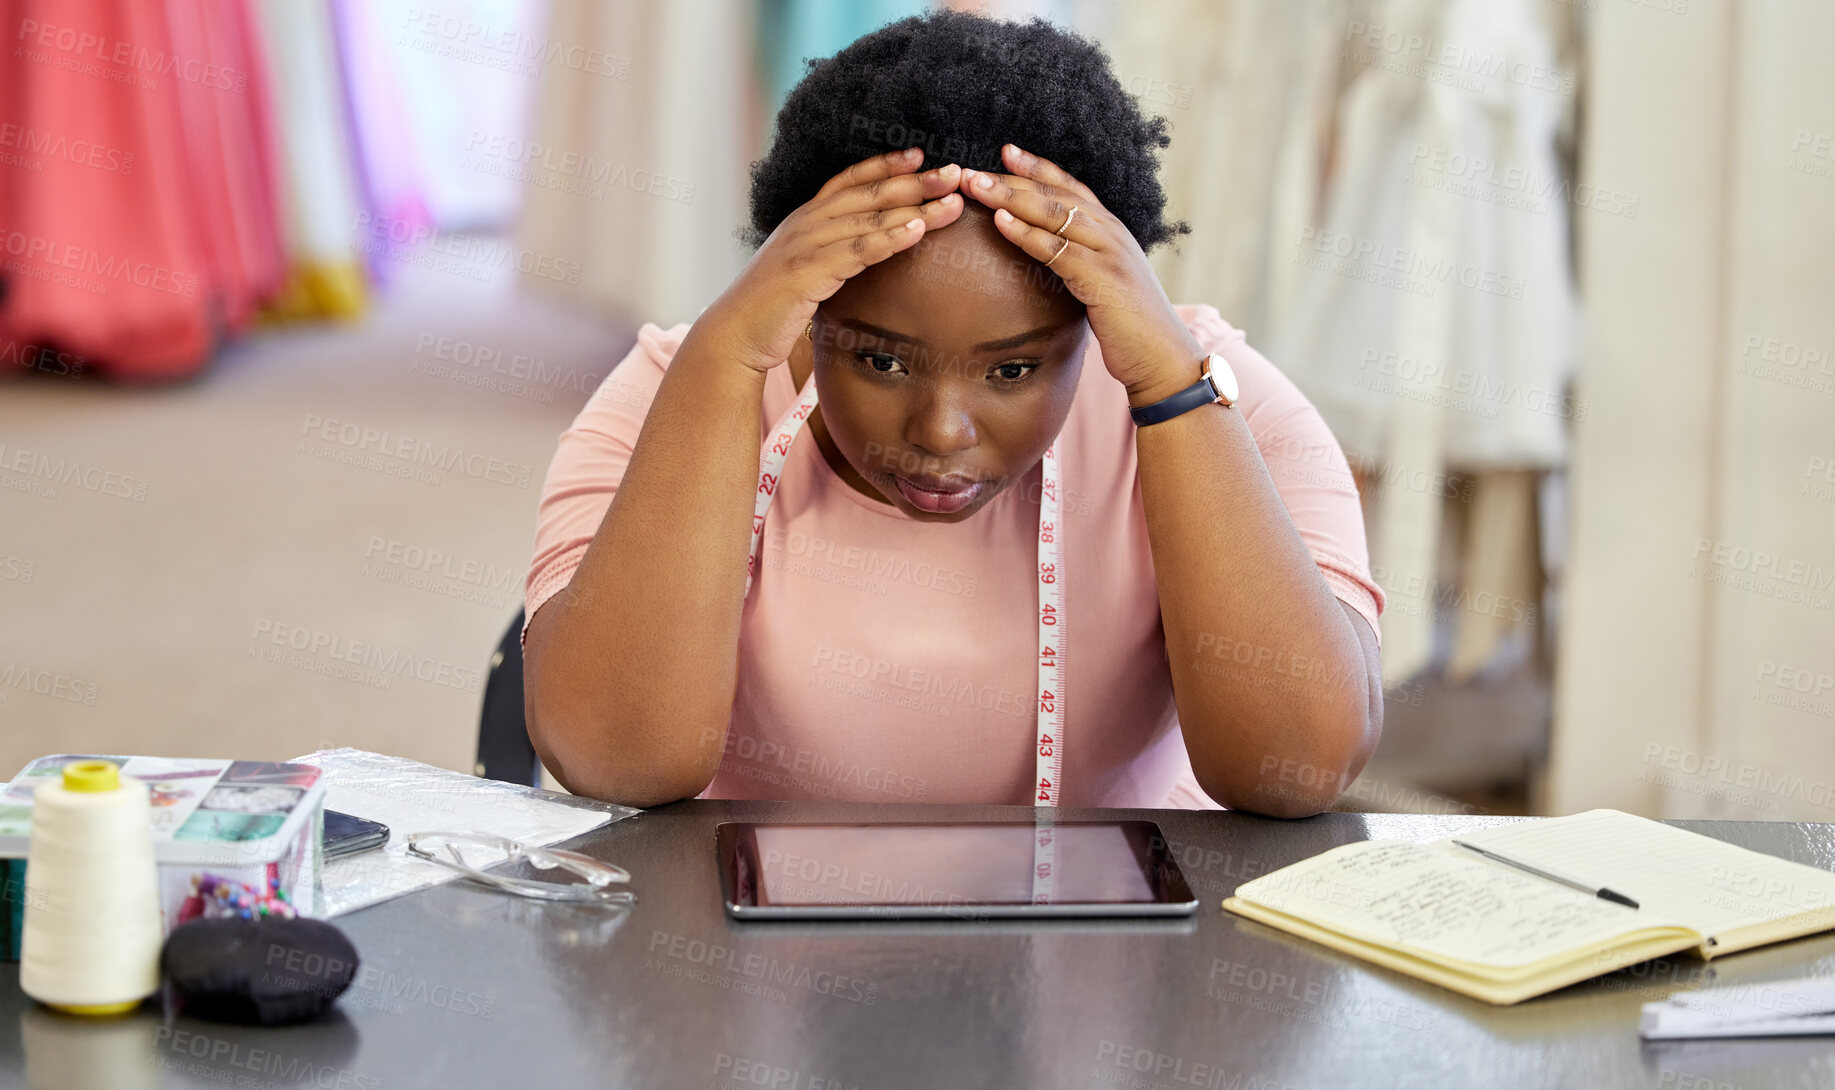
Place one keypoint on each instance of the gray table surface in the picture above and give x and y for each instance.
(462, 987)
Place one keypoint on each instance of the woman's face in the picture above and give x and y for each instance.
(950, 366)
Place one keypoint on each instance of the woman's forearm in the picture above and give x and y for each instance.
(630, 677)
(630, 672)
(1229, 563)
(1277, 698)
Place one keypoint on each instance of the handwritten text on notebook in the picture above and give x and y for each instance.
(1405, 894)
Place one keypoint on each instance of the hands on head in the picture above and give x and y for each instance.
(863, 215)
(883, 206)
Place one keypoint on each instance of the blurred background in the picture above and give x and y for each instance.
(296, 297)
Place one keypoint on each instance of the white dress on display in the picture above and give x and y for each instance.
(1433, 319)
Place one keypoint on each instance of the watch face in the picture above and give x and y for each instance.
(1223, 380)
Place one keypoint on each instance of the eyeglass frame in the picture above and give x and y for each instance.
(597, 873)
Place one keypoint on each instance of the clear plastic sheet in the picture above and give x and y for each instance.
(411, 797)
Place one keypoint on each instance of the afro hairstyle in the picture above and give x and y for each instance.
(959, 86)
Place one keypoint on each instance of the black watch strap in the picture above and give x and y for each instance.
(1198, 393)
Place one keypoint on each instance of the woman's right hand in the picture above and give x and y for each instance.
(865, 214)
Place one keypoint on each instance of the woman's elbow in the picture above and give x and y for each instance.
(594, 771)
(1276, 800)
(623, 784)
(639, 792)
(1302, 782)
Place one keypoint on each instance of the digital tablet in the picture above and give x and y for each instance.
(969, 870)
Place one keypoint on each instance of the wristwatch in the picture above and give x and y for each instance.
(1218, 385)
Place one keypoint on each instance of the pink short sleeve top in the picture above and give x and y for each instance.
(885, 658)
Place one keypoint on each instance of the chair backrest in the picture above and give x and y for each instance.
(504, 750)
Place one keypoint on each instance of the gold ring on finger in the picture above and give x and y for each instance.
(1066, 225)
(1059, 254)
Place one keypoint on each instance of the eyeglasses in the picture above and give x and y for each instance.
(473, 856)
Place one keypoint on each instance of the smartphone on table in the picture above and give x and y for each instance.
(346, 834)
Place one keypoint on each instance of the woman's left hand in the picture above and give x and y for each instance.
(1144, 344)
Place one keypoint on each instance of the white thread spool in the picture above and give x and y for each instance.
(92, 933)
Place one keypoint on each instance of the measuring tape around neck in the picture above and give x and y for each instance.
(1050, 693)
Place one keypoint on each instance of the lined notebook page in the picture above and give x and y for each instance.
(1402, 894)
(1712, 886)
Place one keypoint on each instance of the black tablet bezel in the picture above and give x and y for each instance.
(736, 854)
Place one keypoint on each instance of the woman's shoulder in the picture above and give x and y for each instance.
(633, 380)
(1208, 325)
(659, 343)
(1303, 458)
(1263, 389)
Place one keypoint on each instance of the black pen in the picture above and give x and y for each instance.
(1583, 886)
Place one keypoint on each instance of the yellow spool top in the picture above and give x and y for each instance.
(92, 776)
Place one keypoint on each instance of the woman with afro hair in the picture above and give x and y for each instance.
(942, 499)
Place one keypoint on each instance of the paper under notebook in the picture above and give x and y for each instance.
(1491, 931)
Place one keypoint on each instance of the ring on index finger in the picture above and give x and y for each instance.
(1065, 226)
(1059, 254)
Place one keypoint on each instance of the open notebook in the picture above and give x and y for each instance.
(1455, 918)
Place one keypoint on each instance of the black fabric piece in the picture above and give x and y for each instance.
(265, 972)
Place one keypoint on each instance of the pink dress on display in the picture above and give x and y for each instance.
(137, 197)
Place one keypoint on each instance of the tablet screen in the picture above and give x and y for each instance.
(938, 866)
